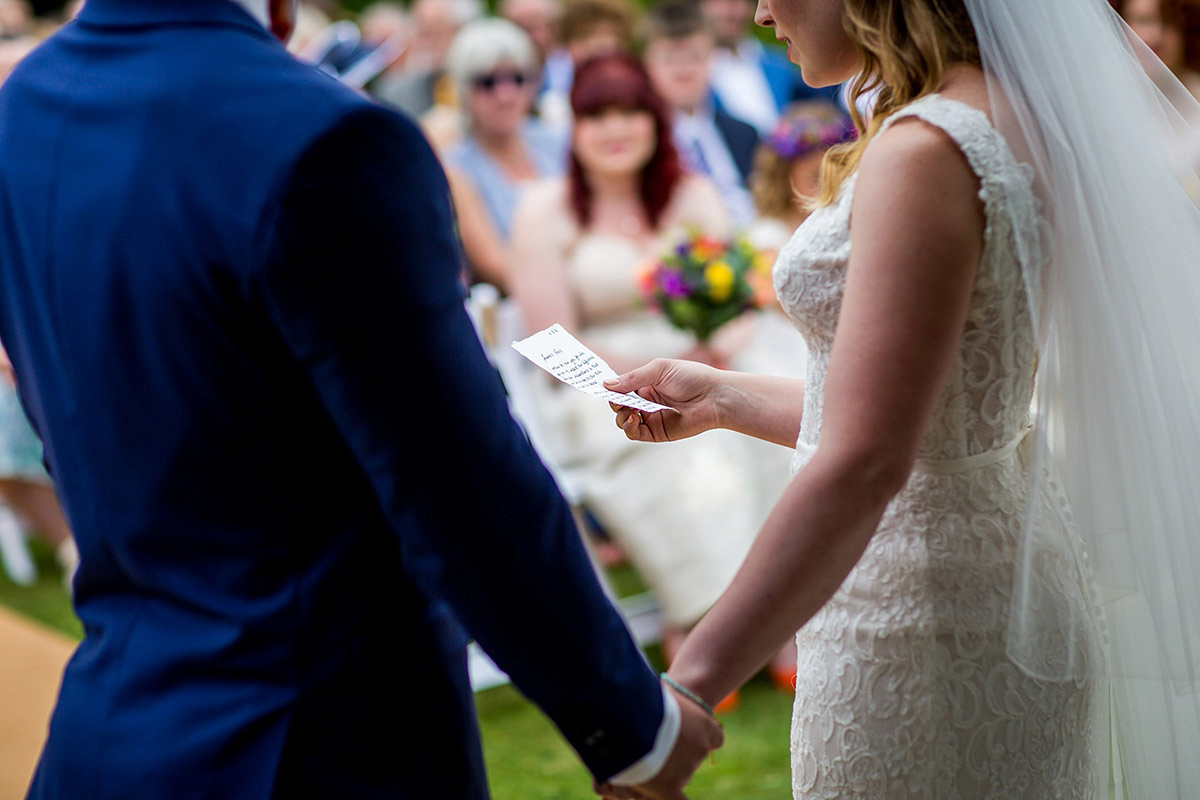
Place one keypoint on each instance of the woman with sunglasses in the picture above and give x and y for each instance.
(495, 66)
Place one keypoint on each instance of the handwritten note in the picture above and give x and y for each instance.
(566, 358)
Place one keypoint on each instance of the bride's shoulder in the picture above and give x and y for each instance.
(917, 160)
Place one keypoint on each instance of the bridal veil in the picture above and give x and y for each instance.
(1115, 286)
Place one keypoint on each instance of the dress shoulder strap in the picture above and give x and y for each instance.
(1006, 185)
(969, 127)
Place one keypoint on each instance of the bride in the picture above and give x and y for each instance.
(992, 601)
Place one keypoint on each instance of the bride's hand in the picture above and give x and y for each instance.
(688, 387)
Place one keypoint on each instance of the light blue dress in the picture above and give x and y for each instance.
(547, 150)
(20, 448)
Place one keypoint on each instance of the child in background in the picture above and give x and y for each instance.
(787, 168)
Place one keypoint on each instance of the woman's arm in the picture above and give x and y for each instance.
(538, 277)
(915, 244)
(767, 407)
(485, 249)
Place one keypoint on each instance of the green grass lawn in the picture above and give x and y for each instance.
(526, 758)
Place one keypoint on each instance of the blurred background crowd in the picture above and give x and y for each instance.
(579, 137)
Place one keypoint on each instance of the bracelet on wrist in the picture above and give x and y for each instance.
(689, 694)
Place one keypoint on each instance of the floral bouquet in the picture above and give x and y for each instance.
(702, 283)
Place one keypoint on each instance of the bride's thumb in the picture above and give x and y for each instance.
(618, 383)
(643, 376)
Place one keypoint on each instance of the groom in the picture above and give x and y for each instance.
(229, 289)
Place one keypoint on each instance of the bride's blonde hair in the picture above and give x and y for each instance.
(904, 47)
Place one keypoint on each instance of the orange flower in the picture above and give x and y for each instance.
(763, 286)
(705, 248)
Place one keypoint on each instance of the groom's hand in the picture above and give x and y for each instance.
(699, 735)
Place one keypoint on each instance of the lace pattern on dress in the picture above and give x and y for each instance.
(905, 688)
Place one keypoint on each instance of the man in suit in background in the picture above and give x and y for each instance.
(228, 286)
(752, 82)
(678, 45)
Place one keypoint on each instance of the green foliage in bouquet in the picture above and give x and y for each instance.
(702, 283)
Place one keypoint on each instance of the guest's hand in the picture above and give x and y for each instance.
(692, 389)
(699, 735)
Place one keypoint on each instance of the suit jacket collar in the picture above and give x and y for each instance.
(153, 13)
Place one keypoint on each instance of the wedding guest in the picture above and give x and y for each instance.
(495, 68)
(750, 81)
(385, 20)
(25, 487)
(587, 28)
(267, 281)
(678, 46)
(423, 85)
(16, 19)
(1171, 29)
(787, 169)
(540, 19)
(579, 244)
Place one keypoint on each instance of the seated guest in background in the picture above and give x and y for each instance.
(678, 45)
(384, 22)
(423, 85)
(16, 19)
(495, 69)
(25, 487)
(587, 28)
(540, 19)
(1171, 28)
(787, 168)
(750, 81)
(579, 244)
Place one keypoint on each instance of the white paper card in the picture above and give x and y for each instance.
(566, 358)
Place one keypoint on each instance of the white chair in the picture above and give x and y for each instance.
(14, 553)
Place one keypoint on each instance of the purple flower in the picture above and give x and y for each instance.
(673, 284)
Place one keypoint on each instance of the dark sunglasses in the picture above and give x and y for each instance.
(487, 83)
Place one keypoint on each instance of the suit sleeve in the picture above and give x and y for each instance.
(363, 284)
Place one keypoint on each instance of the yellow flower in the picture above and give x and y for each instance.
(719, 277)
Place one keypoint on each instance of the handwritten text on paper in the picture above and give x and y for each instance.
(566, 358)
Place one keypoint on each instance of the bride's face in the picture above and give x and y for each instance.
(615, 142)
(815, 37)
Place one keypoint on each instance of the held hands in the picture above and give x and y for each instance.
(689, 387)
(699, 735)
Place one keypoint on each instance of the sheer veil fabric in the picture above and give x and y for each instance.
(1114, 281)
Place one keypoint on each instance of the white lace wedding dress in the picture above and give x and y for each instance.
(904, 688)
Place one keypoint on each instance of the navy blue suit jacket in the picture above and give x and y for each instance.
(741, 138)
(229, 289)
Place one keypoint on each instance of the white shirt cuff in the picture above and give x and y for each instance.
(652, 763)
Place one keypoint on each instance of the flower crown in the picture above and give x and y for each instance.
(798, 135)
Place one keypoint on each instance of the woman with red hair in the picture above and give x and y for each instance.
(579, 242)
